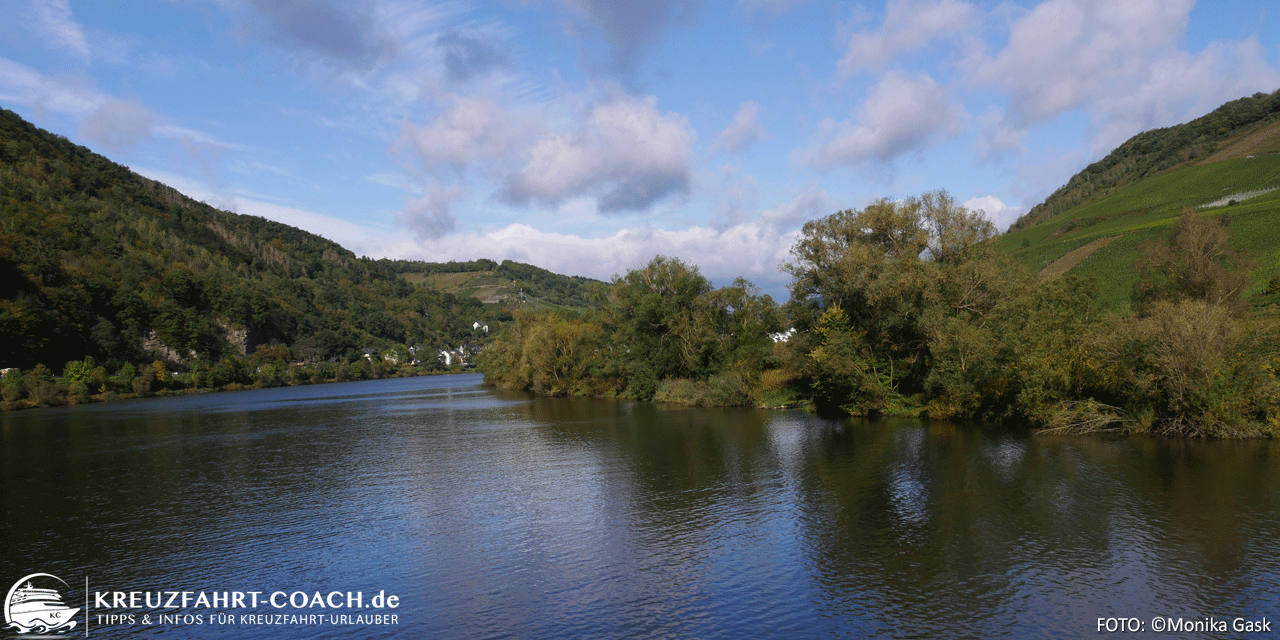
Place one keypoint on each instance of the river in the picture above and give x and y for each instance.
(490, 514)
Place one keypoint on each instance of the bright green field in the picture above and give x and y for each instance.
(1149, 209)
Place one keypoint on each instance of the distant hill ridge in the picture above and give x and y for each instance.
(1248, 126)
(508, 282)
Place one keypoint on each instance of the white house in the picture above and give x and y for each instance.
(784, 336)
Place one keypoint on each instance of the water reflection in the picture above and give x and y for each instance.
(500, 514)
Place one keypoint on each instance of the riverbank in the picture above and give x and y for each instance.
(38, 388)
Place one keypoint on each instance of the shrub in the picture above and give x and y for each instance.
(730, 389)
(1197, 369)
(48, 394)
(77, 392)
(142, 383)
(12, 392)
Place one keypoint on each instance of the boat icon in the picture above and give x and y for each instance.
(30, 609)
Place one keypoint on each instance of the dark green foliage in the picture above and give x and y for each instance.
(845, 375)
(992, 342)
(93, 258)
(652, 310)
(885, 267)
(665, 334)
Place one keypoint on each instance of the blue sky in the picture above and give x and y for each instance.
(587, 136)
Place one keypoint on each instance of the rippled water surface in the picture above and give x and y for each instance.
(492, 514)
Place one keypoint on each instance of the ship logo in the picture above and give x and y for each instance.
(30, 609)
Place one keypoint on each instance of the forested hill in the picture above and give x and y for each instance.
(1237, 129)
(98, 261)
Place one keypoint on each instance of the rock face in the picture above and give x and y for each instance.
(242, 340)
(151, 344)
(237, 338)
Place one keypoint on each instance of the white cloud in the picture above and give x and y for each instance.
(118, 124)
(21, 84)
(751, 250)
(470, 130)
(1065, 53)
(1179, 86)
(901, 114)
(53, 20)
(999, 213)
(909, 25)
(998, 138)
(1119, 62)
(803, 208)
(744, 130)
(624, 154)
(431, 216)
(181, 134)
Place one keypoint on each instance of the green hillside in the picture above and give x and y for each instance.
(1246, 127)
(509, 284)
(1228, 179)
(98, 261)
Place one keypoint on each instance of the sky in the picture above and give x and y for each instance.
(588, 136)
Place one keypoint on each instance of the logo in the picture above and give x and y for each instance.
(30, 608)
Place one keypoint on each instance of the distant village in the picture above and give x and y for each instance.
(462, 355)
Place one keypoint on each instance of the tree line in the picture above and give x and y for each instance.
(907, 307)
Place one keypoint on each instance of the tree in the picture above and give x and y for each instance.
(651, 311)
(1196, 262)
(953, 229)
(79, 370)
(884, 266)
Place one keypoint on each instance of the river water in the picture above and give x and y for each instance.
(490, 514)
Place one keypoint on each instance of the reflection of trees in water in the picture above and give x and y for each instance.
(684, 511)
(678, 461)
(962, 527)
(980, 528)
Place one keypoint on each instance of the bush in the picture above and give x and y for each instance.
(846, 377)
(48, 394)
(77, 392)
(12, 392)
(730, 389)
(1197, 369)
